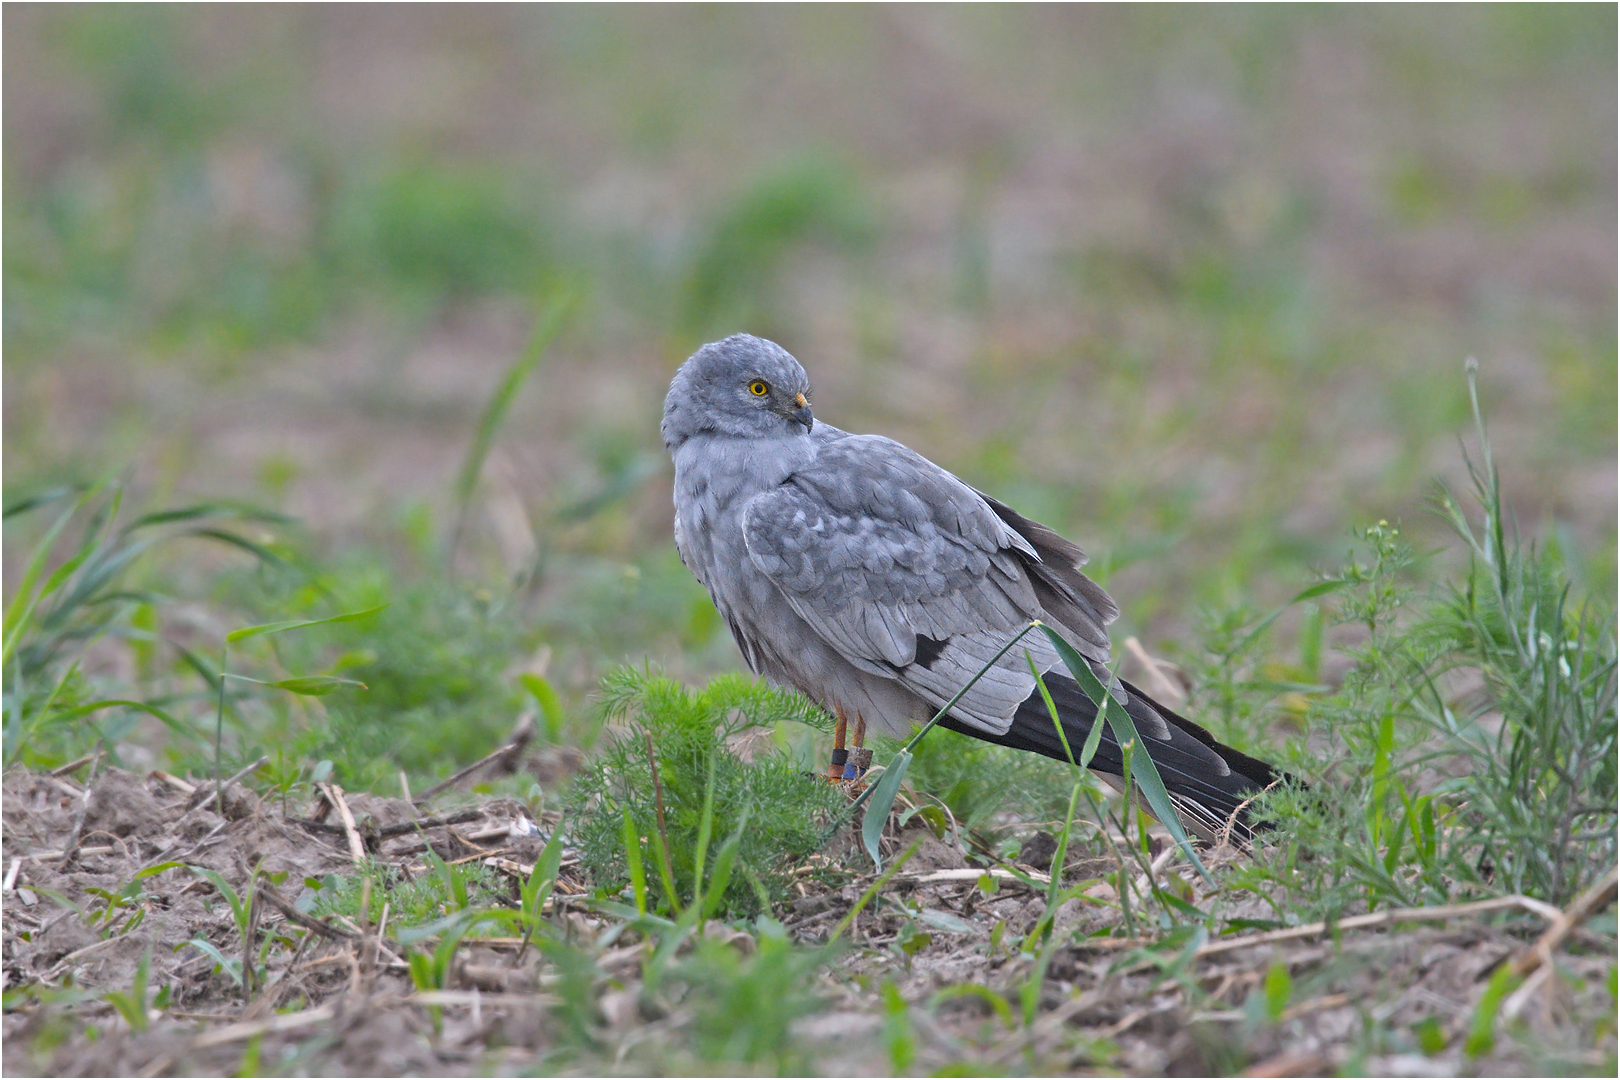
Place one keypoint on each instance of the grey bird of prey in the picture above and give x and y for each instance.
(877, 583)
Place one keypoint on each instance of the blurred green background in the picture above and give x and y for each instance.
(1194, 285)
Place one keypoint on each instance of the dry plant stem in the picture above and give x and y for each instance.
(471, 841)
(159, 1065)
(374, 946)
(319, 809)
(470, 997)
(1381, 918)
(171, 856)
(182, 786)
(1293, 1012)
(390, 831)
(347, 956)
(1291, 1063)
(78, 827)
(284, 1022)
(1354, 922)
(62, 964)
(1131, 1019)
(219, 793)
(1161, 686)
(1589, 903)
(383, 950)
(479, 853)
(974, 873)
(366, 960)
(1144, 882)
(75, 765)
(266, 1001)
(522, 733)
(357, 848)
(1516, 1001)
(457, 818)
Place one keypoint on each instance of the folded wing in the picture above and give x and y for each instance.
(912, 575)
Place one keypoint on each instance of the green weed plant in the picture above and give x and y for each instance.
(1470, 749)
(54, 711)
(703, 798)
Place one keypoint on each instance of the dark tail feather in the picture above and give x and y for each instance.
(1211, 784)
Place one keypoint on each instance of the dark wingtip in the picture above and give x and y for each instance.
(1216, 802)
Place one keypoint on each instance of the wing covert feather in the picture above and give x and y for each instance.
(874, 545)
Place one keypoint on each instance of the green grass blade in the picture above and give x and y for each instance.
(236, 511)
(938, 716)
(545, 330)
(1147, 774)
(873, 889)
(1051, 709)
(314, 685)
(700, 856)
(877, 814)
(632, 859)
(233, 968)
(169, 721)
(541, 881)
(225, 536)
(15, 733)
(197, 664)
(666, 869)
(1060, 855)
(105, 565)
(724, 862)
(1321, 588)
(44, 498)
(1088, 750)
(24, 600)
(551, 710)
(296, 624)
(239, 907)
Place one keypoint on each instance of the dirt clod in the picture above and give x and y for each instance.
(120, 805)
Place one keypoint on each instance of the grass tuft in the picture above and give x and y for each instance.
(1470, 749)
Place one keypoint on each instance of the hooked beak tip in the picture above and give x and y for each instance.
(802, 413)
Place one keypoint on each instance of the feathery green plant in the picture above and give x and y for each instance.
(669, 765)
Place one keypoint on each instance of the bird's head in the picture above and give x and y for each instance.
(743, 386)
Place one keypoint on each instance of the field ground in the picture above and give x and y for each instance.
(335, 340)
(336, 997)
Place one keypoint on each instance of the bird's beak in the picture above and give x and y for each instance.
(802, 412)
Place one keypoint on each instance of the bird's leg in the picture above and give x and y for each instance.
(860, 758)
(839, 754)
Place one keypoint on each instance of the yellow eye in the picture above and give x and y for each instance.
(758, 388)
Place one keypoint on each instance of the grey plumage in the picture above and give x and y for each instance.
(854, 569)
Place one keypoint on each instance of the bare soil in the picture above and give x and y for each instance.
(338, 998)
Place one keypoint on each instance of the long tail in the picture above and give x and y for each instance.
(1212, 785)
